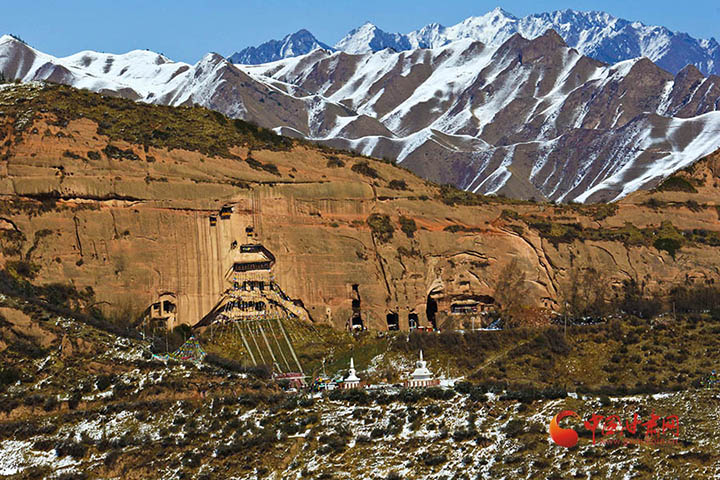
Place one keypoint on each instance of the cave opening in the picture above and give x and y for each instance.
(393, 321)
(431, 309)
(168, 306)
(356, 322)
(413, 321)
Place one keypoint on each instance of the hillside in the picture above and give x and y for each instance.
(116, 196)
(524, 118)
(106, 205)
(81, 399)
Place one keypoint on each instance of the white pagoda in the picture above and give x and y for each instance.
(421, 377)
(352, 380)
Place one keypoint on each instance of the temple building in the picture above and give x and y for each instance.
(421, 377)
(253, 257)
(161, 314)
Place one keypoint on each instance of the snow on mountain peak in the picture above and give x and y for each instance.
(369, 38)
(292, 45)
(500, 12)
(596, 34)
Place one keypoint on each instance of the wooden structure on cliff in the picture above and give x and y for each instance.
(256, 310)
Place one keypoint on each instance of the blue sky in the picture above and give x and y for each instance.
(185, 30)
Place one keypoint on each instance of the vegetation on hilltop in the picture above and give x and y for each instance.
(666, 236)
(190, 128)
(676, 183)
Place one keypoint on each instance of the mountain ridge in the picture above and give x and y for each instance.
(292, 45)
(589, 131)
(594, 33)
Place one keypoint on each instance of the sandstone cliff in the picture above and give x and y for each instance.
(117, 196)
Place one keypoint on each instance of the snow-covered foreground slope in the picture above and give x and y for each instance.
(525, 118)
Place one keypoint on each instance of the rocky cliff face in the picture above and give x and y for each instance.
(103, 199)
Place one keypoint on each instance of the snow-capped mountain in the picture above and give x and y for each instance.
(529, 118)
(598, 35)
(293, 45)
(369, 38)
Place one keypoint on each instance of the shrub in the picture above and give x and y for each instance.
(271, 168)
(408, 226)
(355, 396)
(9, 375)
(463, 434)
(409, 395)
(70, 448)
(51, 403)
(364, 168)
(336, 441)
(28, 349)
(335, 162)
(74, 400)
(451, 195)
(263, 372)
(254, 164)
(509, 215)
(24, 268)
(11, 242)
(654, 203)
(34, 400)
(381, 227)
(463, 387)
(514, 427)
(676, 184)
(72, 476)
(398, 185)
(103, 382)
(430, 459)
(437, 393)
(118, 154)
(670, 245)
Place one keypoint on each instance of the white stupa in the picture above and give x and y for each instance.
(421, 377)
(352, 380)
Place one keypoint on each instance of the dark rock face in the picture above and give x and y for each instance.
(293, 45)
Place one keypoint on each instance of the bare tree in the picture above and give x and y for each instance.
(511, 292)
(585, 293)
